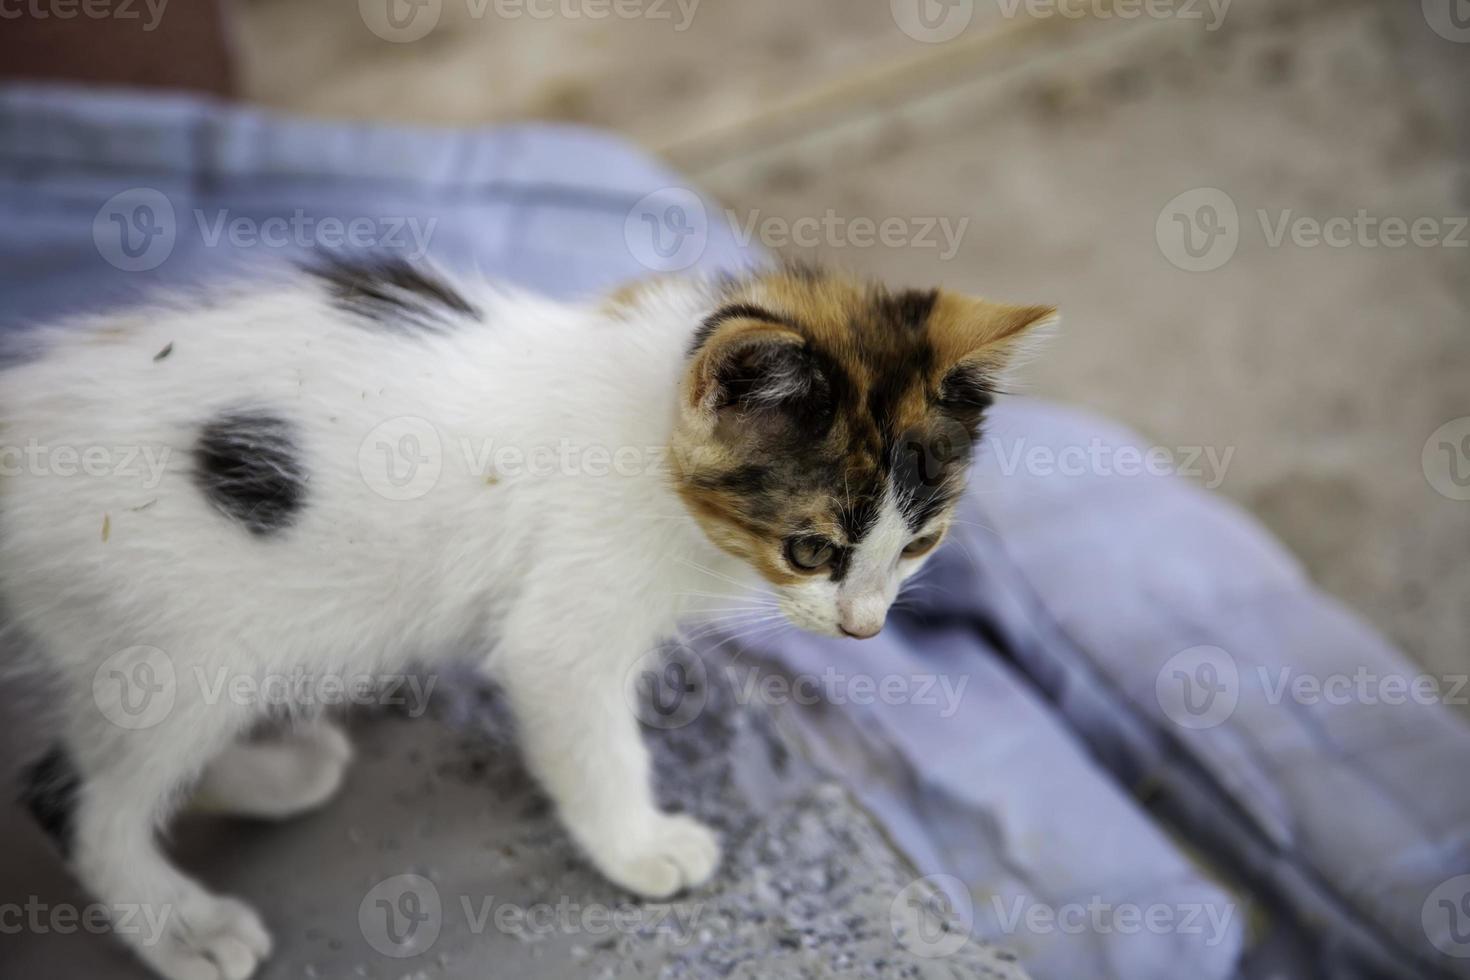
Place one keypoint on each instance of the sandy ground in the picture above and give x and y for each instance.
(1057, 147)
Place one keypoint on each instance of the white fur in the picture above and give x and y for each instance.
(560, 581)
(272, 779)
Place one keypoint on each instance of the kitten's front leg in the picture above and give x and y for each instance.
(582, 742)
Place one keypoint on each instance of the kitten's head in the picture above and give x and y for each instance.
(827, 428)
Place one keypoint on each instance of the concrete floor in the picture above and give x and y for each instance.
(1324, 370)
(440, 860)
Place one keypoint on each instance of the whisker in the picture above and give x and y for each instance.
(976, 524)
(726, 595)
(781, 631)
(724, 578)
(764, 630)
(728, 614)
(738, 616)
(724, 619)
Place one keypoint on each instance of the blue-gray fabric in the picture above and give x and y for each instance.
(1152, 631)
(554, 208)
(1069, 606)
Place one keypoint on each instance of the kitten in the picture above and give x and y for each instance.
(334, 474)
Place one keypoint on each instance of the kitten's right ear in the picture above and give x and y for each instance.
(749, 364)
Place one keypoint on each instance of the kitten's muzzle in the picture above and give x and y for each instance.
(861, 618)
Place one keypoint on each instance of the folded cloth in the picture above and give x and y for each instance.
(999, 804)
(106, 196)
(1267, 724)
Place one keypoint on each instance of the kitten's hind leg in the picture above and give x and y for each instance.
(274, 778)
(102, 797)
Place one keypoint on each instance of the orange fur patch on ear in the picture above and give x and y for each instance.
(963, 328)
(728, 342)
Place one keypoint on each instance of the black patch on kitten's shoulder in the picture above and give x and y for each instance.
(389, 292)
(248, 464)
(49, 788)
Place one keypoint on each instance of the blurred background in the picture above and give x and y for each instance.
(1030, 149)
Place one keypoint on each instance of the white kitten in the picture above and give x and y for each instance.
(308, 483)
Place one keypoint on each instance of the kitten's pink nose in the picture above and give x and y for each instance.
(861, 619)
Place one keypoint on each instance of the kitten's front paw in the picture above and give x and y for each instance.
(208, 938)
(675, 853)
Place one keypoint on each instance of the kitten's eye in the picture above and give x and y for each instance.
(810, 553)
(920, 546)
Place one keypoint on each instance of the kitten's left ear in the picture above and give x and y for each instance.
(990, 336)
(750, 365)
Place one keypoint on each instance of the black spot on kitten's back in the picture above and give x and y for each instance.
(248, 464)
(390, 292)
(48, 790)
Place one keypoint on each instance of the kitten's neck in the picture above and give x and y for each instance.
(657, 322)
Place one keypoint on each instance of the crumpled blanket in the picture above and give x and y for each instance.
(1114, 658)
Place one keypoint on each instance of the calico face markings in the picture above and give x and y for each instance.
(812, 401)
